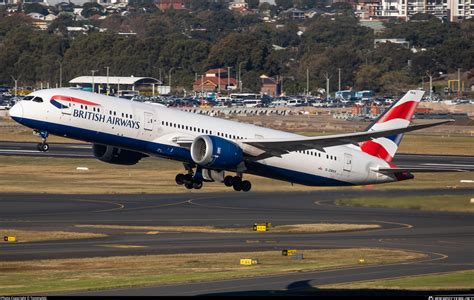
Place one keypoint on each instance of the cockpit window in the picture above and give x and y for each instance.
(38, 99)
(28, 98)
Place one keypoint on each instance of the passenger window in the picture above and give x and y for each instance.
(38, 99)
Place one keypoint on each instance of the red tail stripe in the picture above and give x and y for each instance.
(402, 111)
(72, 99)
(377, 150)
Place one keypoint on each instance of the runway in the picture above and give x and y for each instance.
(447, 238)
(85, 151)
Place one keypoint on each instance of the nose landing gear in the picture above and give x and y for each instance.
(43, 146)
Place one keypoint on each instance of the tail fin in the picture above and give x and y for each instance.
(398, 115)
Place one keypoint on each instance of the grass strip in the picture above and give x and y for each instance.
(461, 280)
(60, 275)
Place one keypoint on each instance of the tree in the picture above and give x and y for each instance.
(367, 77)
(35, 8)
(252, 4)
(284, 4)
(91, 8)
(395, 82)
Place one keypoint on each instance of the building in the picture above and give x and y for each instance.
(238, 5)
(116, 84)
(270, 86)
(215, 80)
(111, 2)
(170, 4)
(294, 13)
(452, 10)
(367, 9)
(402, 42)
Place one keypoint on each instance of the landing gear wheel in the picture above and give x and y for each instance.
(180, 179)
(188, 178)
(197, 185)
(237, 185)
(189, 185)
(43, 147)
(246, 185)
(228, 180)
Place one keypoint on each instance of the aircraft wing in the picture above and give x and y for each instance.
(262, 148)
(423, 170)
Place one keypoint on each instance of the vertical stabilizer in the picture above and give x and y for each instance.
(398, 115)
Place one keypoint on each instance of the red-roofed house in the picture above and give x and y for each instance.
(270, 86)
(215, 80)
(170, 4)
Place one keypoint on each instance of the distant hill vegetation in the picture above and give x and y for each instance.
(194, 41)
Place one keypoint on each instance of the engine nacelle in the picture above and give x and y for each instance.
(114, 155)
(215, 152)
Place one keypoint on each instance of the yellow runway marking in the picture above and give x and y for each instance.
(120, 206)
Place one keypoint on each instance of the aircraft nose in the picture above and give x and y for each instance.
(16, 112)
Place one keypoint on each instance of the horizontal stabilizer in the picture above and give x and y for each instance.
(422, 170)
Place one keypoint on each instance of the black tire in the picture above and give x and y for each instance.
(197, 185)
(189, 185)
(43, 147)
(237, 186)
(180, 179)
(237, 179)
(246, 185)
(39, 147)
(188, 178)
(228, 181)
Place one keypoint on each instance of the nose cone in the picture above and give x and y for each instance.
(16, 112)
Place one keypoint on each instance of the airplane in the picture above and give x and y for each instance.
(124, 132)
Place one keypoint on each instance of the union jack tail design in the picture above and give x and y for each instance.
(398, 115)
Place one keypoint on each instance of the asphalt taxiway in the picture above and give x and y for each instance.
(446, 238)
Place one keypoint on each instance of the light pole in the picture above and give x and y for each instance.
(326, 75)
(16, 83)
(240, 78)
(93, 85)
(339, 69)
(307, 81)
(430, 75)
(228, 78)
(202, 86)
(169, 76)
(459, 83)
(107, 80)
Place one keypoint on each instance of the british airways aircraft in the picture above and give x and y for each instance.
(123, 132)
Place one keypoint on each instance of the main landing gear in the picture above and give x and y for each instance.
(237, 183)
(193, 180)
(43, 146)
(190, 181)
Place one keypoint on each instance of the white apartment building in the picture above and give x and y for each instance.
(453, 10)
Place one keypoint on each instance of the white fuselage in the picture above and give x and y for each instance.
(155, 130)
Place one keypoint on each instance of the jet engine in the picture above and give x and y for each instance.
(114, 155)
(215, 152)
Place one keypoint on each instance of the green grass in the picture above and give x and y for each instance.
(460, 203)
(461, 280)
(58, 275)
